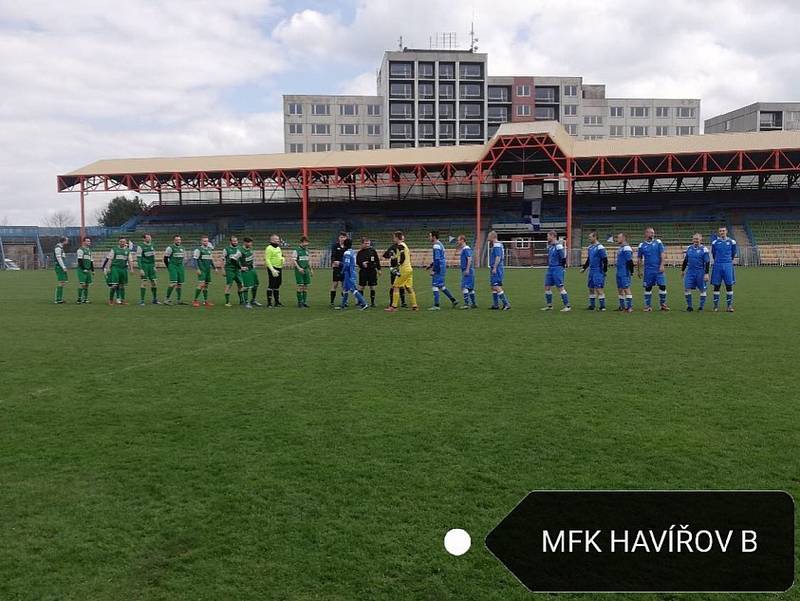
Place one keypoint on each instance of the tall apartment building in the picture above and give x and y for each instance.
(324, 123)
(759, 116)
(446, 97)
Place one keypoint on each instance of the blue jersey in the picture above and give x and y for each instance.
(466, 254)
(495, 254)
(651, 253)
(596, 253)
(556, 255)
(439, 262)
(624, 255)
(697, 257)
(723, 251)
(349, 264)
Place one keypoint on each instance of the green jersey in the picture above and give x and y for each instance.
(203, 258)
(59, 258)
(119, 257)
(85, 258)
(230, 255)
(247, 259)
(175, 254)
(301, 257)
(145, 255)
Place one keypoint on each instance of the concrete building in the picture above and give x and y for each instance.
(759, 116)
(446, 97)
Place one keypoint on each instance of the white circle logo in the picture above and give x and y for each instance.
(457, 541)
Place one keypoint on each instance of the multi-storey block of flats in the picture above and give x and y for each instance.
(759, 116)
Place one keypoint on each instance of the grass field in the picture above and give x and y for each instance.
(180, 453)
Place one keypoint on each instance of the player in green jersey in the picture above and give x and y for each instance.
(204, 262)
(85, 270)
(174, 256)
(230, 259)
(119, 259)
(247, 272)
(146, 264)
(302, 272)
(60, 266)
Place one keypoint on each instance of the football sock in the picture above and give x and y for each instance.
(412, 297)
(629, 301)
(179, 292)
(372, 297)
(494, 299)
(449, 295)
(360, 298)
(548, 299)
(254, 293)
(227, 298)
(591, 300)
(197, 293)
(466, 297)
(333, 296)
(502, 296)
(299, 297)
(703, 296)
(716, 298)
(277, 295)
(729, 296)
(472, 297)
(205, 294)
(435, 297)
(602, 298)
(689, 300)
(154, 292)
(121, 292)
(648, 298)
(621, 301)
(142, 292)
(112, 293)
(565, 298)
(169, 292)
(662, 297)
(345, 299)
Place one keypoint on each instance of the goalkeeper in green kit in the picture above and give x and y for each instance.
(204, 262)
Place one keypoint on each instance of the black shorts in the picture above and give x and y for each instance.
(337, 274)
(274, 280)
(368, 277)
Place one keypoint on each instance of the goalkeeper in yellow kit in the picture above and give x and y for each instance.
(405, 275)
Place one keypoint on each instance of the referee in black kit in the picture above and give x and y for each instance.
(369, 268)
(337, 252)
(394, 263)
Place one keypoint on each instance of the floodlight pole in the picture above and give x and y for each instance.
(304, 201)
(569, 207)
(83, 210)
(479, 176)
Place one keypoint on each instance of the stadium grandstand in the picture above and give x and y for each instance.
(529, 178)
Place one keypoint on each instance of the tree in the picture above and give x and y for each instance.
(119, 210)
(60, 219)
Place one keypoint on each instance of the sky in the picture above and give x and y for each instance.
(90, 79)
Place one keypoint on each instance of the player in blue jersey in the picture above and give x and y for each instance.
(496, 272)
(467, 265)
(723, 251)
(597, 264)
(556, 264)
(349, 277)
(652, 253)
(624, 274)
(438, 269)
(694, 269)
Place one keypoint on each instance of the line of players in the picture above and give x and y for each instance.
(355, 271)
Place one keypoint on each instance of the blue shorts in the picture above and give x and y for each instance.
(495, 279)
(468, 282)
(623, 280)
(554, 277)
(349, 285)
(437, 280)
(694, 280)
(722, 272)
(596, 279)
(654, 278)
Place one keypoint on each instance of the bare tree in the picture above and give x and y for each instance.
(61, 219)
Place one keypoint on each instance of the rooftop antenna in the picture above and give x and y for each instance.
(400, 42)
(473, 41)
(443, 40)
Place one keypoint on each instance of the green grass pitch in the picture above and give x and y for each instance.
(180, 453)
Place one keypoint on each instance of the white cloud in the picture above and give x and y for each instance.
(364, 84)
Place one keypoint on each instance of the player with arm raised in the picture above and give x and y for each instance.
(85, 270)
(694, 269)
(60, 266)
(597, 264)
(624, 274)
(146, 263)
(349, 283)
(496, 272)
(174, 257)
(405, 275)
(467, 265)
(302, 272)
(204, 263)
(438, 270)
(556, 265)
(652, 254)
(723, 250)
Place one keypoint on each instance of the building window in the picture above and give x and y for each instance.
(727, 126)
(544, 113)
(426, 110)
(470, 111)
(427, 130)
(498, 113)
(447, 110)
(470, 70)
(470, 90)
(571, 128)
(401, 130)
(662, 130)
(570, 110)
(401, 110)
(684, 130)
(321, 129)
(295, 128)
(403, 70)
(295, 108)
(348, 110)
(348, 146)
(592, 120)
(447, 70)
(320, 147)
(638, 130)
(426, 90)
(523, 90)
(320, 109)
(570, 91)
(446, 130)
(374, 146)
(640, 111)
(470, 131)
(594, 137)
(616, 111)
(348, 129)
(401, 90)
(447, 91)
(295, 148)
(498, 94)
(546, 94)
(374, 110)
(373, 130)
(685, 112)
(662, 112)
(426, 70)
(523, 110)
(617, 131)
